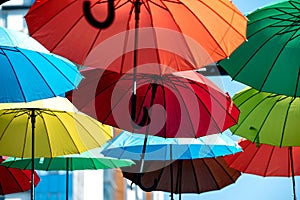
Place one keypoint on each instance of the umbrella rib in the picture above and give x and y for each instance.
(179, 29)
(212, 96)
(224, 169)
(4, 131)
(38, 71)
(92, 121)
(277, 57)
(69, 30)
(115, 105)
(251, 23)
(195, 177)
(15, 73)
(230, 25)
(269, 161)
(255, 52)
(45, 4)
(126, 40)
(209, 170)
(143, 101)
(49, 143)
(285, 121)
(26, 131)
(296, 89)
(265, 119)
(63, 74)
(63, 125)
(155, 38)
(184, 105)
(250, 160)
(230, 163)
(165, 107)
(14, 177)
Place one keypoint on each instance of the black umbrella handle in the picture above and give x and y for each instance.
(146, 189)
(94, 22)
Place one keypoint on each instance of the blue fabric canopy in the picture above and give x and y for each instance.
(28, 75)
(129, 146)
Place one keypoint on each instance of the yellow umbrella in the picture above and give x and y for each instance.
(57, 126)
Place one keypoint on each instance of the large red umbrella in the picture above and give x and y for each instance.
(182, 104)
(191, 33)
(15, 180)
(184, 176)
(266, 160)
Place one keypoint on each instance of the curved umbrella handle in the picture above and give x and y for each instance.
(90, 18)
(3, 1)
(147, 189)
(145, 121)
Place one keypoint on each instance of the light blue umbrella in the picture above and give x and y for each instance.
(19, 39)
(28, 75)
(130, 146)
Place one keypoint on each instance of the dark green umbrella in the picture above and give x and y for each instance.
(269, 61)
(268, 118)
(91, 160)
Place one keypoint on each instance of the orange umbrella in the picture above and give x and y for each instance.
(199, 32)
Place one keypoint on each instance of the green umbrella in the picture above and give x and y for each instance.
(269, 61)
(91, 160)
(268, 118)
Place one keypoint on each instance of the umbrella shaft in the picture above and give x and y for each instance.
(32, 117)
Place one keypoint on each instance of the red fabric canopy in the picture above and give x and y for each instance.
(266, 160)
(184, 104)
(15, 180)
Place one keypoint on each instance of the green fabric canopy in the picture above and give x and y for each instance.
(268, 118)
(269, 61)
(86, 160)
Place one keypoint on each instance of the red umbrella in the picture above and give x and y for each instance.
(184, 176)
(198, 31)
(266, 160)
(15, 180)
(182, 104)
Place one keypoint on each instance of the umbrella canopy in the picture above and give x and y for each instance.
(15, 180)
(59, 129)
(19, 39)
(195, 19)
(266, 160)
(129, 146)
(269, 60)
(30, 75)
(189, 176)
(182, 104)
(267, 118)
(87, 160)
(84, 161)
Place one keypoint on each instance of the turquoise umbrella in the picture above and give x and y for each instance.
(28, 75)
(130, 146)
(91, 160)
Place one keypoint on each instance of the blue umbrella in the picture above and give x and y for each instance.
(19, 39)
(28, 75)
(130, 146)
